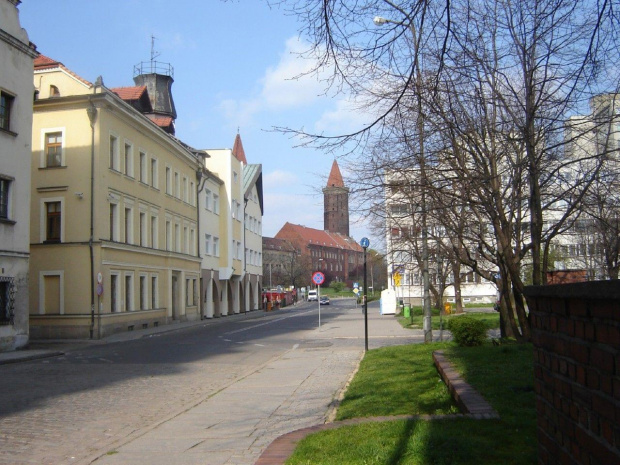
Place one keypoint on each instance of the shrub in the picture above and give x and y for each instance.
(467, 331)
(337, 286)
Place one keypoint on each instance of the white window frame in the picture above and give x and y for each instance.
(154, 167)
(115, 228)
(154, 278)
(216, 203)
(131, 297)
(128, 158)
(143, 297)
(154, 230)
(216, 246)
(44, 132)
(117, 293)
(207, 244)
(208, 200)
(43, 217)
(144, 161)
(114, 152)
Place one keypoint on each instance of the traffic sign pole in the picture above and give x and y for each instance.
(365, 243)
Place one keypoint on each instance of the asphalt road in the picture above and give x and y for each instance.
(216, 392)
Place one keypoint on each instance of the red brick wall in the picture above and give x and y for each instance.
(576, 336)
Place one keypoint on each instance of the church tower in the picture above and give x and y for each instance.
(336, 203)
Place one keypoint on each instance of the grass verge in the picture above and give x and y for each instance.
(396, 380)
(415, 321)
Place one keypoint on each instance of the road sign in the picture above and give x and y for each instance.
(356, 291)
(318, 278)
(99, 289)
(364, 242)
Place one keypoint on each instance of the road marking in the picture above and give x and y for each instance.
(267, 323)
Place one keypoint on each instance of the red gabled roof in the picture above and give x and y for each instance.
(282, 245)
(43, 62)
(161, 121)
(129, 93)
(238, 151)
(335, 178)
(309, 236)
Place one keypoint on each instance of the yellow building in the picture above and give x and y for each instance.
(114, 225)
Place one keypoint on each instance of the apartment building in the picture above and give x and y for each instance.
(240, 231)
(114, 218)
(16, 93)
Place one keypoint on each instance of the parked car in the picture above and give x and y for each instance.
(324, 300)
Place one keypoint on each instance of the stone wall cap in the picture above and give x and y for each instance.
(599, 290)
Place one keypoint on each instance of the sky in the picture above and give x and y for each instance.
(235, 68)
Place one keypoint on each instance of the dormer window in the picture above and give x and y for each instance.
(54, 92)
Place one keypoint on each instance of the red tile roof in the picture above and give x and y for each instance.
(282, 245)
(238, 151)
(309, 236)
(43, 62)
(129, 93)
(335, 178)
(161, 121)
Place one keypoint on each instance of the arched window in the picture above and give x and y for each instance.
(54, 92)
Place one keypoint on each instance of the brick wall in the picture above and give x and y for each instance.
(576, 336)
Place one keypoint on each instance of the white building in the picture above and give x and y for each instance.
(16, 95)
(237, 248)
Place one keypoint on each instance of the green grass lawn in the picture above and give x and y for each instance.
(397, 380)
(415, 321)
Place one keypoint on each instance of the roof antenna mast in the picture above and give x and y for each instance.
(154, 54)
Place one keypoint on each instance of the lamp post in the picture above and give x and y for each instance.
(427, 327)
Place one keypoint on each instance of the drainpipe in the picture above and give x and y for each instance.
(92, 116)
(202, 179)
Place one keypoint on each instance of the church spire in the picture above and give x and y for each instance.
(335, 177)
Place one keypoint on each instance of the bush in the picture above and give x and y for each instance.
(337, 286)
(467, 331)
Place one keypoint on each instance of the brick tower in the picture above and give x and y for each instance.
(336, 203)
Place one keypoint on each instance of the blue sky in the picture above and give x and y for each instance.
(234, 68)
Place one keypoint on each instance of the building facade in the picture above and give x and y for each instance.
(114, 221)
(16, 93)
(240, 232)
(336, 203)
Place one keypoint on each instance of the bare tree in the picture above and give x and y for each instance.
(476, 94)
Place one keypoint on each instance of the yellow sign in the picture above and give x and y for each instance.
(397, 279)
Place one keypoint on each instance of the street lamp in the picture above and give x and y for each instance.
(428, 331)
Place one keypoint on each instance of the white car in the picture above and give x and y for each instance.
(312, 296)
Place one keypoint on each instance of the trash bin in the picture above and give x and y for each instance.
(407, 312)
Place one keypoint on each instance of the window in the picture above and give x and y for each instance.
(113, 222)
(216, 247)
(7, 299)
(53, 149)
(113, 293)
(177, 238)
(114, 153)
(192, 241)
(5, 190)
(168, 236)
(235, 177)
(177, 186)
(128, 160)
(208, 200)
(154, 293)
(192, 193)
(208, 244)
(185, 240)
(154, 241)
(154, 173)
(128, 226)
(168, 181)
(143, 173)
(54, 92)
(216, 204)
(129, 292)
(6, 105)
(143, 293)
(143, 238)
(185, 193)
(53, 217)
